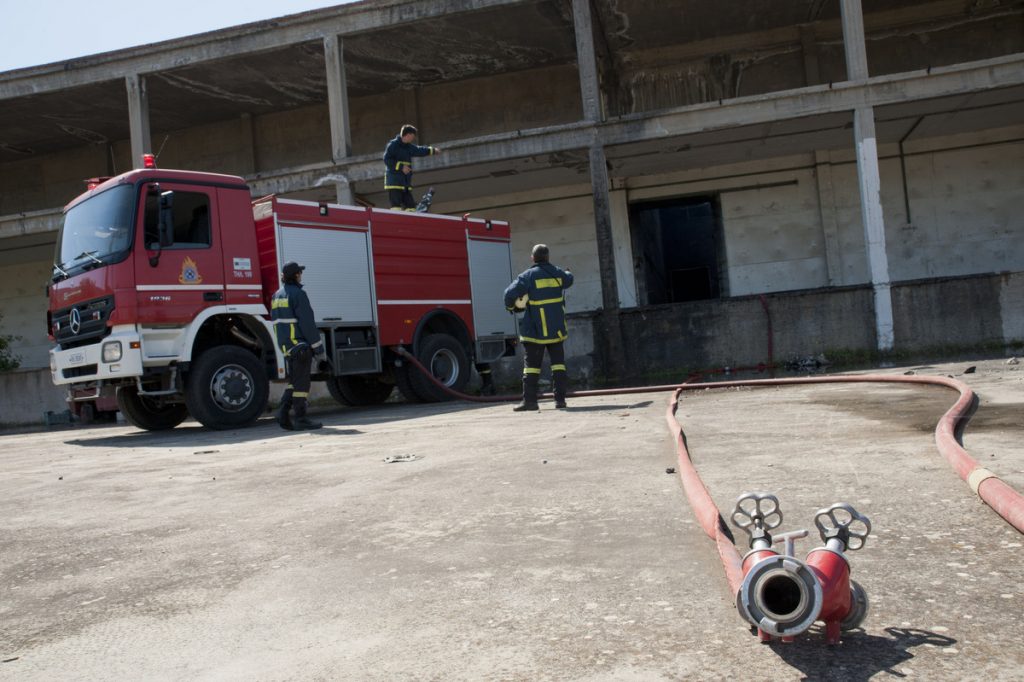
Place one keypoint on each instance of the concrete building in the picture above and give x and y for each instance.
(727, 180)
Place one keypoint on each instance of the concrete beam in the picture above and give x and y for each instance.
(820, 99)
(586, 59)
(959, 79)
(34, 222)
(259, 36)
(874, 223)
(138, 118)
(337, 98)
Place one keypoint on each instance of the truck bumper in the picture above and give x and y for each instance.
(86, 363)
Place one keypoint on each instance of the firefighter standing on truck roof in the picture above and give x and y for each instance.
(542, 325)
(300, 340)
(398, 162)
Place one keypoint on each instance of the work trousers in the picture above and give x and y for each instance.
(300, 362)
(532, 361)
(402, 199)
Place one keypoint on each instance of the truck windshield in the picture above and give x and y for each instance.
(95, 232)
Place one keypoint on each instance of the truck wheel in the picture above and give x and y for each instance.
(226, 388)
(145, 413)
(359, 390)
(404, 383)
(447, 360)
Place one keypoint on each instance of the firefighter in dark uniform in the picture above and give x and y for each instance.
(398, 163)
(542, 325)
(299, 340)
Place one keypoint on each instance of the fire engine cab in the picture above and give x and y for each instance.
(162, 281)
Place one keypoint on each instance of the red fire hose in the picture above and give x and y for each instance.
(1003, 499)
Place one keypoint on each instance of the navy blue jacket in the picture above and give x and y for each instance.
(293, 319)
(544, 318)
(399, 154)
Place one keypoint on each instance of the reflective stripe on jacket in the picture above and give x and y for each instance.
(543, 321)
(293, 318)
(397, 155)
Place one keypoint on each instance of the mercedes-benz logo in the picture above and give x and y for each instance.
(76, 321)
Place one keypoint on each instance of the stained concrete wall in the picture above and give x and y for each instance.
(23, 306)
(735, 332)
(963, 192)
(27, 394)
(51, 180)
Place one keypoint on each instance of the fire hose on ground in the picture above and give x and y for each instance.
(776, 592)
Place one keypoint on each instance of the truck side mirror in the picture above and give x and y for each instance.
(166, 223)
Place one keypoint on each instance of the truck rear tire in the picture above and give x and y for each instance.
(226, 388)
(447, 360)
(358, 391)
(144, 413)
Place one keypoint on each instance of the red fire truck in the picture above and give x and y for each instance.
(162, 281)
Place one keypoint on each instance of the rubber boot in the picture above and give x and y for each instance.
(488, 385)
(283, 416)
(301, 422)
(530, 384)
(561, 385)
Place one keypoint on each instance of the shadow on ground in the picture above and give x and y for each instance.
(859, 657)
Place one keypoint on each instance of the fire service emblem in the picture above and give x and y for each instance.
(190, 272)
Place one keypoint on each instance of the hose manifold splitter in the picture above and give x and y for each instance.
(783, 596)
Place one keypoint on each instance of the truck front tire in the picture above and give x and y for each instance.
(145, 413)
(226, 388)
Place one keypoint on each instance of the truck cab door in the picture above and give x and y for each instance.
(175, 282)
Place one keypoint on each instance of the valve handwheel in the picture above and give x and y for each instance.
(757, 511)
(842, 521)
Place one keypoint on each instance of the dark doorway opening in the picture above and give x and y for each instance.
(675, 249)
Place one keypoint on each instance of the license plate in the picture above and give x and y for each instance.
(76, 358)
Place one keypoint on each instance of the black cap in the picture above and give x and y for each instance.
(290, 269)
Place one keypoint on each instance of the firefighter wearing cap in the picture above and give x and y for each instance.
(398, 157)
(299, 340)
(542, 325)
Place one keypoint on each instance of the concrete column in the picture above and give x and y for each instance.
(603, 226)
(829, 220)
(623, 247)
(853, 40)
(868, 175)
(343, 192)
(809, 49)
(337, 99)
(874, 223)
(586, 59)
(138, 117)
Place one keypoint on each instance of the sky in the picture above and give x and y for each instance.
(34, 32)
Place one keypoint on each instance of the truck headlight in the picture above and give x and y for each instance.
(112, 351)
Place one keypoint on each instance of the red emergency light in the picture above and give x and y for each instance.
(148, 161)
(93, 183)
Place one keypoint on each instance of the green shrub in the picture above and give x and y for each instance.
(8, 360)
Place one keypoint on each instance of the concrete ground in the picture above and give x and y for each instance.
(548, 546)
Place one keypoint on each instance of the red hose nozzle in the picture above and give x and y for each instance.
(783, 596)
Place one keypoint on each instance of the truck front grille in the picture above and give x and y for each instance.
(83, 371)
(82, 323)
